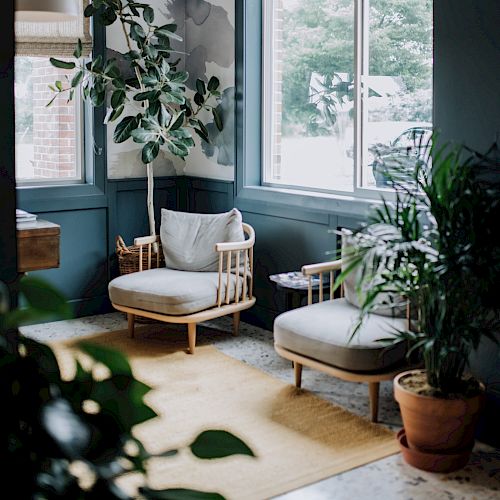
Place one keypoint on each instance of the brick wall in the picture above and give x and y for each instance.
(54, 134)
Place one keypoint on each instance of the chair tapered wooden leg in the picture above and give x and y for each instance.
(192, 337)
(373, 388)
(236, 324)
(297, 368)
(131, 325)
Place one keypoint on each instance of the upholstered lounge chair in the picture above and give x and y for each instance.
(319, 336)
(208, 273)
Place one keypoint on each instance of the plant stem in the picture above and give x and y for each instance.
(149, 166)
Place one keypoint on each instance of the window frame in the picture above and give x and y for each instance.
(82, 111)
(91, 193)
(361, 70)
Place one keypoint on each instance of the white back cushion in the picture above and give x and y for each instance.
(188, 240)
(386, 304)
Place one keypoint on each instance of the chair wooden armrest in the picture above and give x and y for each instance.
(323, 267)
(152, 243)
(241, 264)
(146, 240)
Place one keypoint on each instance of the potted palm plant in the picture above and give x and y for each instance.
(435, 244)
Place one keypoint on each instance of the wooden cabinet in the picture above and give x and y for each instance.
(37, 246)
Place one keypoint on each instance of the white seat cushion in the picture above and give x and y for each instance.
(167, 291)
(322, 332)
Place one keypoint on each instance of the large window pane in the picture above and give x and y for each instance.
(309, 94)
(48, 139)
(397, 89)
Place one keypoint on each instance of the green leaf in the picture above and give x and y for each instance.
(178, 121)
(78, 50)
(179, 494)
(108, 16)
(117, 98)
(89, 10)
(178, 149)
(219, 444)
(168, 97)
(149, 80)
(119, 83)
(202, 135)
(96, 64)
(167, 32)
(213, 84)
(41, 295)
(45, 303)
(179, 77)
(97, 96)
(203, 128)
(148, 95)
(137, 32)
(141, 135)
(200, 87)
(164, 116)
(165, 67)
(150, 152)
(58, 85)
(124, 129)
(77, 79)
(117, 112)
(199, 99)
(149, 15)
(62, 64)
(112, 69)
(132, 55)
(113, 359)
(217, 119)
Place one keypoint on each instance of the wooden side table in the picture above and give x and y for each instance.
(295, 286)
(37, 245)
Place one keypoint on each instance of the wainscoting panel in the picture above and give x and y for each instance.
(83, 273)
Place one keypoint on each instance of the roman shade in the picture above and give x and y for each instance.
(55, 38)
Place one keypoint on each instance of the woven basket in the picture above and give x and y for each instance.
(128, 261)
(128, 257)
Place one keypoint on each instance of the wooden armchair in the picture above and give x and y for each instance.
(186, 297)
(318, 336)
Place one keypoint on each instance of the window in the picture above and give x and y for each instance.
(48, 139)
(347, 89)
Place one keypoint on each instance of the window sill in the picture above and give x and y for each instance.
(55, 198)
(345, 205)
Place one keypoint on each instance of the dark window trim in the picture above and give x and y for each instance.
(92, 193)
(249, 192)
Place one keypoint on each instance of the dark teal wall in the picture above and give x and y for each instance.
(467, 71)
(467, 110)
(8, 262)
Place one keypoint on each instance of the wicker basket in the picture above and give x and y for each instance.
(128, 257)
(128, 261)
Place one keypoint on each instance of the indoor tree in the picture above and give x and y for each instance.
(152, 95)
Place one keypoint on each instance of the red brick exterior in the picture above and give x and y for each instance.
(54, 127)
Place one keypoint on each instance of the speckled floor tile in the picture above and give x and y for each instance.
(387, 479)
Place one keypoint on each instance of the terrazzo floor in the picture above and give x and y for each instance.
(386, 479)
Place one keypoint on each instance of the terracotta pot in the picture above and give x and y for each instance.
(432, 462)
(437, 425)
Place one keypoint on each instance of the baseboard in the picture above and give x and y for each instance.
(90, 306)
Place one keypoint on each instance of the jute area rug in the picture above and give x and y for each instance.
(298, 438)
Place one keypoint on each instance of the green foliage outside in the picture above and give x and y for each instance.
(319, 38)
